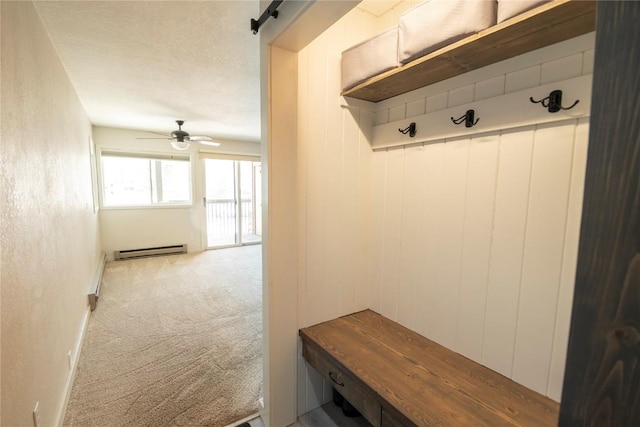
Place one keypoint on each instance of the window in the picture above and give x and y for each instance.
(145, 180)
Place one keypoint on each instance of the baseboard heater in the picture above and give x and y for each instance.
(147, 252)
(94, 291)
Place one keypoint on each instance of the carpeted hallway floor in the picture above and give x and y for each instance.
(175, 340)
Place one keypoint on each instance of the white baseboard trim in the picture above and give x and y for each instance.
(262, 412)
(62, 410)
(94, 291)
(244, 420)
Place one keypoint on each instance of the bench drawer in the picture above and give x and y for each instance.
(361, 397)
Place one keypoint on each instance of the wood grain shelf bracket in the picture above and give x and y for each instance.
(545, 25)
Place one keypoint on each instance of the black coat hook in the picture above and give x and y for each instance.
(468, 119)
(553, 102)
(411, 130)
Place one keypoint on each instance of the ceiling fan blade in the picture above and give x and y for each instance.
(200, 138)
(209, 143)
(158, 133)
(181, 137)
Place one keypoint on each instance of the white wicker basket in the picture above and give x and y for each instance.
(369, 58)
(436, 23)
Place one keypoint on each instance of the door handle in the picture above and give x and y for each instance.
(204, 202)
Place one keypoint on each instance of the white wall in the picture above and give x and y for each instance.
(478, 236)
(471, 242)
(391, 16)
(334, 188)
(49, 230)
(279, 285)
(158, 226)
(478, 243)
(279, 42)
(334, 180)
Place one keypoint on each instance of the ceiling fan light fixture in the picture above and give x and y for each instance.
(180, 145)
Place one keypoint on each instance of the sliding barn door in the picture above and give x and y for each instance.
(602, 380)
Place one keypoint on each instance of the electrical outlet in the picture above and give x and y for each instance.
(70, 359)
(36, 415)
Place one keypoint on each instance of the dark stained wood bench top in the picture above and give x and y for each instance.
(425, 382)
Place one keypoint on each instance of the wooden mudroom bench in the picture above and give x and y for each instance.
(396, 377)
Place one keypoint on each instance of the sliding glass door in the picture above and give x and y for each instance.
(232, 202)
(250, 218)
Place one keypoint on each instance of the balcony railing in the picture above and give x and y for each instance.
(221, 220)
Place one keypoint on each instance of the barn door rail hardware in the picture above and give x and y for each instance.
(553, 102)
(468, 119)
(271, 11)
(411, 130)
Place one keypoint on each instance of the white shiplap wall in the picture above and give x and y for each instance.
(477, 243)
(471, 241)
(476, 237)
(334, 188)
(334, 184)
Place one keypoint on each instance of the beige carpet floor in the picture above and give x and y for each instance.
(175, 340)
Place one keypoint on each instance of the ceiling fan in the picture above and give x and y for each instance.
(180, 139)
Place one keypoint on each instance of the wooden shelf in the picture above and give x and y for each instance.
(543, 26)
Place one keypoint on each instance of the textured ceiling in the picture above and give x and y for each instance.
(144, 64)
